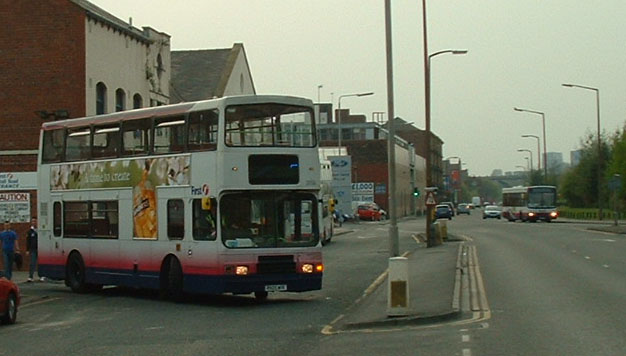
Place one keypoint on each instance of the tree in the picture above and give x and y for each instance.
(617, 164)
(579, 185)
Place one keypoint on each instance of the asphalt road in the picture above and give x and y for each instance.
(553, 289)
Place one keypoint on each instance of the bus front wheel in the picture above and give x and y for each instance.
(172, 280)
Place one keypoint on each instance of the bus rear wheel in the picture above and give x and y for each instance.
(75, 273)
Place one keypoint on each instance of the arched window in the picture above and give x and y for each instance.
(120, 100)
(101, 98)
(137, 101)
(160, 68)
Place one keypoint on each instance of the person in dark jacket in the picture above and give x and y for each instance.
(31, 249)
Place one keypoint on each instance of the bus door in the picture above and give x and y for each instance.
(52, 235)
(202, 249)
(171, 206)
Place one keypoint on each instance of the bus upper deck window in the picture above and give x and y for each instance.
(53, 143)
(202, 130)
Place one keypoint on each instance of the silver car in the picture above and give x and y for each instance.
(492, 211)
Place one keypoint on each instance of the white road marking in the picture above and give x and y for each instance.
(466, 338)
(467, 352)
(587, 257)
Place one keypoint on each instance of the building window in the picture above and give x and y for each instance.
(160, 68)
(101, 98)
(137, 101)
(120, 100)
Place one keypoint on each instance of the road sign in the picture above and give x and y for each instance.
(430, 199)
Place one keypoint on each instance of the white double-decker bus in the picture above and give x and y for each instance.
(529, 203)
(215, 196)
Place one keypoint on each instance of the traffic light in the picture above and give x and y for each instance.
(416, 192)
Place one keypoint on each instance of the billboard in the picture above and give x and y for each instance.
(342, 182)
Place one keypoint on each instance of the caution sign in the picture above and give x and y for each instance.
(15, 207)
(430, 199)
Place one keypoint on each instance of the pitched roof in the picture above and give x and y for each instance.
(98, 14)
(202, 74)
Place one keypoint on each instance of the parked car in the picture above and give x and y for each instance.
(463, 209)
(492, 211)
(369, 211)
(9, 301)
(450, 204)
(443, 211)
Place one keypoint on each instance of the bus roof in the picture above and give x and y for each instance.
(170, 110)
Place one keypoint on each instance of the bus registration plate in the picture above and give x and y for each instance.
(275, 287)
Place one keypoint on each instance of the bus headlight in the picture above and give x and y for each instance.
(553, 214)
(241, 270)
(307, 268)
(312, 268)
(531, 214)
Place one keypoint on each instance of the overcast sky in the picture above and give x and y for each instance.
(520, 52)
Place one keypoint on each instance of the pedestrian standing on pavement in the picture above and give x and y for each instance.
(10, 246)
(31, 249)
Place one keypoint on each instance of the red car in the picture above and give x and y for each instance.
(9, 301)
(369, 211)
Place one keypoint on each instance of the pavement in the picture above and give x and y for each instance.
(434, 285)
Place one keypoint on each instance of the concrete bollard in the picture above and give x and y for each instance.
(443, 230)
(436, 231)
(398, 287)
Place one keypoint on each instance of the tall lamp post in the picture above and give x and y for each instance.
(530, 154)
(599, 140)
(543, 123)
(339, 116)
(538, 150)
(318, 92)
(429, 181)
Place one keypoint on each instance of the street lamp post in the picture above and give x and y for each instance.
(394, 242)
(530, 154)
(599, 140)
(545, 153)
(339, 116)
(429, 181)
(538, 150)
(318, 92)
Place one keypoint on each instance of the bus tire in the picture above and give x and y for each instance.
(172, 280)
(75, 273)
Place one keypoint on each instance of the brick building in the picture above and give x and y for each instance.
(67, 58)
(366, 143)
